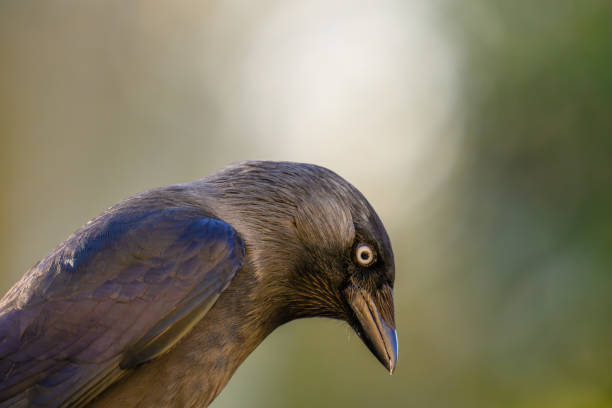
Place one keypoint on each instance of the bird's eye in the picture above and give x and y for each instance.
(365, 255)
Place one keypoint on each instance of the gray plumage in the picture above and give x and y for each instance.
(158, 300)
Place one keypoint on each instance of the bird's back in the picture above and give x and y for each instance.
(117, 293)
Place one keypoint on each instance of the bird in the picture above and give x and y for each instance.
(159, 299)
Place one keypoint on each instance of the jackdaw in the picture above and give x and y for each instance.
(158, 300)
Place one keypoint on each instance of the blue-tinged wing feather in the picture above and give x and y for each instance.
(119, 292)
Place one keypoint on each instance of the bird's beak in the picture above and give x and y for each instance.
(375, 322)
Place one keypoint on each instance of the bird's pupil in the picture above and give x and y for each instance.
(365, 255)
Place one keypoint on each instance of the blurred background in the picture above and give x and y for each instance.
(481, 131)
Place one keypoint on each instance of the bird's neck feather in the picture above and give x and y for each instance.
(238, 322)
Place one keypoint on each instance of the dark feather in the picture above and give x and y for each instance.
(117, 293)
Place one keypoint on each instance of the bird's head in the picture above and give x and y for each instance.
(317, 246)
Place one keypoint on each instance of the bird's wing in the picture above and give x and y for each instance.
(119, 292)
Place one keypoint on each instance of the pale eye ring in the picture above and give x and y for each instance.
(365, 255)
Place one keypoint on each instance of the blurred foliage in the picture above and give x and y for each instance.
(496, 194)
(533, 197)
